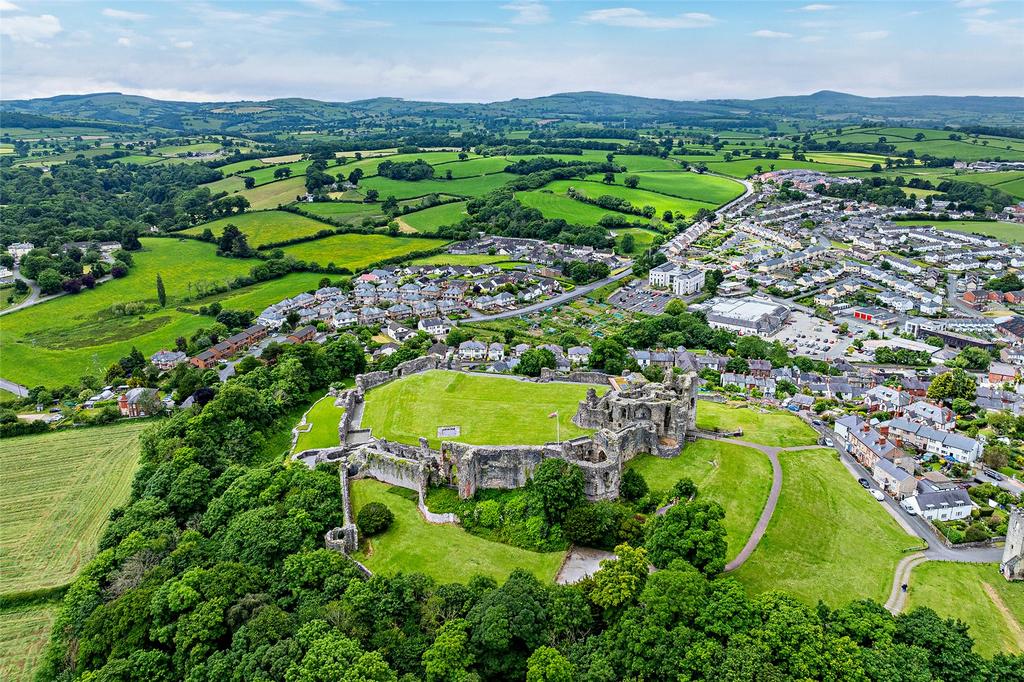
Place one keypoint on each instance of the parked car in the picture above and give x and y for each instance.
(816, 422)
(829, 443)
(877, 494)
(993, 474)
(864, 482)
(907, 508)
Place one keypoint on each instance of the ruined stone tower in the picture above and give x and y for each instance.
(1012, 565)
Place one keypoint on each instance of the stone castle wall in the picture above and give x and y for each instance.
(599, 378)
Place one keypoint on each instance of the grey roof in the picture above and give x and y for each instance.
(956, 497)
(893, 470)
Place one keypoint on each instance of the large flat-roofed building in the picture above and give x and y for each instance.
(747, 315)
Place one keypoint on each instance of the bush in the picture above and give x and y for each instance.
(633, 486)
(374, 518)
(488, 514)
(976, 533)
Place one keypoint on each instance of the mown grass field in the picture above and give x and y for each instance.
(23, 637)
(736, 477)
(773, 428)
(240, 166)
(447, 553)
(265, 227)
(1010, 232)
(429, 219)
(349, 211)
(557, 206)
(354, 251)
(58, 341)
(230, 184)
(488, 410)
(828, 539)
(685, 185)
(464, 187)
(57, 490)
(964, 591)
(471, 167)
(638, 197)
(197, 147)
(741, 168)
(323, 418)
(936, 143)
(264, 175)
(642, 239)
(274, 194)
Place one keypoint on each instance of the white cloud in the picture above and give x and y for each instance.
(871, 35)
(528, 12)
(1010, 30)
(631, 17)
(184, 44)
(765, 33)
(29, 29)
(817, 8)
(973, 3)
(122, 14)
(6, 6)
(984, 11)
(326, 5)
(124, 41)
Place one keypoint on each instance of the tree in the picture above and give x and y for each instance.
(609, 178)
(161, 294)
(951, 385)
(546, 664)
(691, 531)
(559, 486)
(371, 195)
(249, 181)
(627, 243)
(631, 181)
(282, 172)
(532, 361)
(632, 486)
(374, 518)
(620, 580)
(608, 355)
(712, 280)
(450, 656)
(49, 281)
(971, 358)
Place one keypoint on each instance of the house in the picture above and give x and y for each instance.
(760, 368)
(302, 335)
(135, 402)
(579, 355)
(271, 318)
(893, 479)
(519, 349)
(472, 350)
(206, 359)
(435, 326)
(863, 442)
(398, 332)
(344, 318)
(945, 505)
(940, 444)
(371, 315)
(19, 249)
(884, 399)
(495, 352)
(1001, 373)
(165, 360)
(935, 416)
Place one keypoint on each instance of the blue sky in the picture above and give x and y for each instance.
(485, 51)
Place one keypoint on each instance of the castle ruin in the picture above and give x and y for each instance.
(1012, 564)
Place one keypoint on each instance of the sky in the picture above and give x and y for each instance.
(341, 50)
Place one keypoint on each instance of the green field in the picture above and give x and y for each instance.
(736, 477)
(138, 159)
(355, 251)
(229, 184)
(240, 166)
(936, 143)
(349, 211)
(200, 147)
(471, 167)
(58, 341)
(559, 206)
(323, 418)
(956, 590)
(265, 227)
(274, 194)
(828, 539)
(635, 163)
(774, 428)
(23, 637)
(57, 491)
(1010, 232)
(265, 175)
(489, 410)
(642, 239)
(429, 219)
(741, 168)
(464, 187)
(686, 185)
(638, 197)
(447, 553)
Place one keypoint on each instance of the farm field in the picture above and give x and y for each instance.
(265, 175)
(846, 158)
(555, 206)
(355, 251)
(23, 637)
(323, 418)
(240, 166)
(429, 219)
(57, 491)
(1011, 232)
(635, 163)
(964, 591)
(264, 227)
(197, 147)
(685, 185)
(828, 539)
(274, 194)
(230, 184)
(741, 168)
(471, 167)
(489, 410)
(349, 211)
(138, 159)
(642, 239)
(406, 189)
(936, 143)
(446, 552)
(638, 197)
(772, 428)
(736, 477)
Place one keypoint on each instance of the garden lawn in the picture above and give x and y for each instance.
(445, 552)
(638, 197)
(710, 189)
(956, 590)
(23, 637)
(828, 539)
(774, 428)
(736, 477)
(355, 251)
(1010, 232)
(57, 490)
(408, 189)
(265, 227)
(429, 219)
(488, 410)
(322, 418)
(559, 206)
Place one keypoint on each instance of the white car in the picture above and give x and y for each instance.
(829, 443)
(877, 494)
(910, 510)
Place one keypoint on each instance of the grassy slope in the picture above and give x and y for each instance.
(265, 227)
(464, 187)
(741, 168)
(956, 590)
(638, 197)
(642, 239)
(1012, 232)
(556, 206)
(23, 636)
(828, 538)
(428, 220)
(445, 552)
(324, 417)
(489, 410)
(738, 478)
(358, 250)
(274, 194)
(686, 185)
(57, 490)
(777, 429)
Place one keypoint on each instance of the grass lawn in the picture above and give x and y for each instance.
(138, 159)
(489, 410)
(1010, 232)
(274, 194)
(775, 428)
(23, 637)
(265, 227)
(57, 491)
(736, 477)
(358, 250)
(429, 219)
(638, 197)
(323, 418)
(955, 590)
(828, 538)
(447, 553)
(686, 185)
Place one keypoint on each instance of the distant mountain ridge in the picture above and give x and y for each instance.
(297, 113)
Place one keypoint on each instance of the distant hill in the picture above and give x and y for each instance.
(299, 113)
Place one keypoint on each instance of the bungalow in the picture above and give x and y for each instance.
(166, 360)
(945, 505)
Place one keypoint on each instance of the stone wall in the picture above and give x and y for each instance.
(392, 468)
(315, 456)
(348, 401)
(364, 382)
(599, 378)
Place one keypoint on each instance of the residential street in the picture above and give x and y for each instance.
(551, 302)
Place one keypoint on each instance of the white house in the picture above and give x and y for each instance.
(495, 352)
(945, 505)
(344, 318)
(435, 326)
(165, 360)
(472, 350)
(19, 249)
(579, 355)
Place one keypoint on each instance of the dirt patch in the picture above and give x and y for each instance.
(1015, 628)
(405, 227)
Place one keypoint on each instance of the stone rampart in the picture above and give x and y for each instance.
(391, 468)
(315, 456)
(579, 377)
(364, 382)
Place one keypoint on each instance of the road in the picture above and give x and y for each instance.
(16, 389)
(954, 302)
(551, 302)
(34, 295)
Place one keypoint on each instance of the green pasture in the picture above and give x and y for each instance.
(24, 633)
(710, 189)
(642, 239)
(264, 227)
(264, 175)
(241, 166)
(462, 187)
(196, 148)
(354, 251)
(471, 167)
(429, 219)
(1010, 232)
(322, 420)
(555, 206)
(741, 168)
(274, 194)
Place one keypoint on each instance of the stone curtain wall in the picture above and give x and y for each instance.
(348, 401)
(599, 378)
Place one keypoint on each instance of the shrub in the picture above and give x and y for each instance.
(374, 518)
(488, 513)
(633, 486)
(976, 533)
